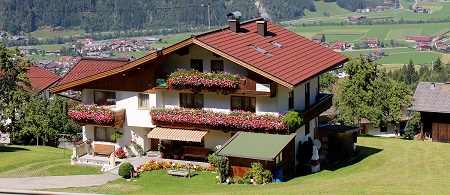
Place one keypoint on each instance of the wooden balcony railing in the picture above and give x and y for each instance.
(323, 103)
(245, 86)
(116, 124)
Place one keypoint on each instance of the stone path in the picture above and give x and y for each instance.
(29, 183)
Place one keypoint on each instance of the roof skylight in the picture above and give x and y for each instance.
(277, 44)
(261, 50)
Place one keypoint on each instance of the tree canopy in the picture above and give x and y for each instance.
(369, 93)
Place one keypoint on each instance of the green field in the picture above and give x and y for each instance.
(136, 54)
(400, 34)
(401, 56)
(40, 57)
(384, 166)
(331, 8)
(46, 33)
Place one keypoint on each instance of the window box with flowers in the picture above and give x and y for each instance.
(219, 82)
(234, 120)
(92, 114)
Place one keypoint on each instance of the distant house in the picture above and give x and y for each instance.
(41, 79)
(432, 100)
(53, 52)
(423, 46)
(67, 58)
(420, 9)
(372, 42)
(85, 41)
(150, 40)
(28, 50)
(425, 38)
(318, 38)
(339, 46)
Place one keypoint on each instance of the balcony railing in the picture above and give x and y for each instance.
(97, 116)
(323, 103)
(205, 119)
(224, 83)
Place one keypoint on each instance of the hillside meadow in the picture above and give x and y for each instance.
(384, 166)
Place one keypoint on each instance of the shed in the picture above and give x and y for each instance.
(349, 134)
(273, 151)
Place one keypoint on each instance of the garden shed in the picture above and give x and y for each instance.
(348, 134)
(275, 152)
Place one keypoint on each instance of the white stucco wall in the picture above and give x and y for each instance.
(196, 52)
(371, 130)
(135, 116)
(214, 138)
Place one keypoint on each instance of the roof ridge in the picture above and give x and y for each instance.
(225, 28)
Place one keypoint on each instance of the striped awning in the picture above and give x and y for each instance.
(177, 134)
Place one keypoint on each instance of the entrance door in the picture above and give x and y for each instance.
(154, 144)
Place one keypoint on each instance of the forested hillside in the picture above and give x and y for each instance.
(23, 16)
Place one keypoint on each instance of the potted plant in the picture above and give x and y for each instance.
(120, 153)
(162, 150)
(178, 152)
(116, 135)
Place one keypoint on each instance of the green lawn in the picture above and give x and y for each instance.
(331, 8)
(400, 56)
(37, 161)
(400, 34)
(384, 166)
(40, 57)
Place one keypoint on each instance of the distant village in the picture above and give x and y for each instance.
(423, 43)
(84, 47)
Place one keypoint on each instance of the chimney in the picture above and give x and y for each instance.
(262, 28)
(233, 19)
(234, 25)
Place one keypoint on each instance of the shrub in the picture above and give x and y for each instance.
(239, 180)
(248, 181)
(305, 150)
(267, 177)
(259, 181)
(212, 158)
(126, 169)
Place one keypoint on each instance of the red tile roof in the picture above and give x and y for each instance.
(298, 60)
(40, 77)
(90, 66)
(419, 38)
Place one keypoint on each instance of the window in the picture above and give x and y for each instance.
(191, 100)
(243, 103)
(279, 158)
(307, 130)
(103, 134)
(383, 129)
(144, 100)
(104, 98)
(216, 66)
(197, 64)
(291, 100)
(306, 95)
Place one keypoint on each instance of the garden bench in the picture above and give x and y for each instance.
(196, 152)
(103, 149)
(178, 173)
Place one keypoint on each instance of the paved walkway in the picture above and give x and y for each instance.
(34, 183)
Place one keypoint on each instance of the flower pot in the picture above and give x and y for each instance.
(176, 156)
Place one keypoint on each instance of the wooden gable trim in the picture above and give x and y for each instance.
(124, 68)
(243, 64)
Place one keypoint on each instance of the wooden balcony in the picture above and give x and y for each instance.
(116, 124)
(245, 86)
(323, 103)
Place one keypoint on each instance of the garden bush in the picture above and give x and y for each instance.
(126, 169)
(239, 180)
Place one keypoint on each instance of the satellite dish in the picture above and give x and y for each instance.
(265, 16)
(317, 143)
(235, 15)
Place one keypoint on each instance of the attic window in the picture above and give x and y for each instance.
(277, 44)
(261, 50)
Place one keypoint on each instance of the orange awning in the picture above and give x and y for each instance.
(177, 134)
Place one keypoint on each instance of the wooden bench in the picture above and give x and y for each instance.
(196, 152)
(103, 149)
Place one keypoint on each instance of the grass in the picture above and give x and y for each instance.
(47, 33)
(401, 56)
(40, 57)
(384, 166)
(38, 161)
(331, 8)
(400, 34)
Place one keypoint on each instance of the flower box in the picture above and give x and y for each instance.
(236, 120)
(91, 114)
(196, 81)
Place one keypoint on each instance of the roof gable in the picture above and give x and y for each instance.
(40, 77)
(296, 61)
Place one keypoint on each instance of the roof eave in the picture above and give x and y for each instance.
(323, 71)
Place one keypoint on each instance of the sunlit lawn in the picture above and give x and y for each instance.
(36, 161)
(384, 166)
